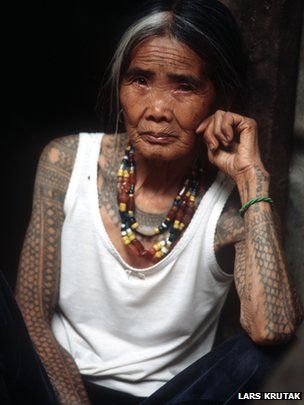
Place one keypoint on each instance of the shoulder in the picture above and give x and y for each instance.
(60, 152)
(230, 230)
(55, 166)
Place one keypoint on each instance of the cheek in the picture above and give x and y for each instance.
(190, 114)
(130, 104)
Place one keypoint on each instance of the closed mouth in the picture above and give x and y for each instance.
(158, 134)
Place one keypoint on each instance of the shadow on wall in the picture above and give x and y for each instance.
(295, 212)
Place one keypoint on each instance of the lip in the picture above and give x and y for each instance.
(159, 138)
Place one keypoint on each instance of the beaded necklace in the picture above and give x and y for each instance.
(176, 220)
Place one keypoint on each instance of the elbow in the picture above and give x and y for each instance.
(267, 337)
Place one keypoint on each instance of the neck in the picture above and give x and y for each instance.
(161, 176)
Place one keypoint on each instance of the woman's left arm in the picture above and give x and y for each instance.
(271, 310)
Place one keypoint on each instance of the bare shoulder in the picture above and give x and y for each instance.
(229, 231)
(61, 152)
(55, 166)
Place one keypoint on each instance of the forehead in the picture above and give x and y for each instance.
(166, 53)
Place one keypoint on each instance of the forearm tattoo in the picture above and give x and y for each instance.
(269, 301)
(39, 267)
(281, 312)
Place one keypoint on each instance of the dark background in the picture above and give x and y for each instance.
(54, 58)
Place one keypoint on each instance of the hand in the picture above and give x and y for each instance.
(232, 142)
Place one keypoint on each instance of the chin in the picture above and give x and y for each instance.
(160, 152)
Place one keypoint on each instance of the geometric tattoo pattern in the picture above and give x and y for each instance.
(38, 279)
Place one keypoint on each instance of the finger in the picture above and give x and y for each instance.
(218, 132)
(219, 158)
(203, 125)
(227, 126)
(209, 137)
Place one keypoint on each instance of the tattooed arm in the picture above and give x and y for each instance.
(39, 267)
(270, 307)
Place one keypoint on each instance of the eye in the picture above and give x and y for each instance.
(142, 81)
(185, 87)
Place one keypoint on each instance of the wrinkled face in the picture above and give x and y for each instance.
(165, 94)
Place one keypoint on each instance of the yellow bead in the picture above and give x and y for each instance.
(135, 225)
(122, 207)
(130, 213)
(178, 197)
(125, 238)
(120, 172)
(181, 226)
(156, 231)
(192, 198)
(131, 237)
(129, 147)
(176, 224)
(159, 254)
(126, 173)
(187, 193)
(157, 246)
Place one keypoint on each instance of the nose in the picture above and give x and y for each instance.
(159, 108)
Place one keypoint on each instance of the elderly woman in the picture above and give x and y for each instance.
(136, 235)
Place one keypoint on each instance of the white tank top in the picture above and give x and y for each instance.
(132, 329)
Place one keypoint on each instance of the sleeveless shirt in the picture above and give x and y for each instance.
(132, 329)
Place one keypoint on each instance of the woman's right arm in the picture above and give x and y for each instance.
(38, 279)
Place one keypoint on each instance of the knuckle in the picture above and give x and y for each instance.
(252, 123)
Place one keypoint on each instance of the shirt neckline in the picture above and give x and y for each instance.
(181, 243)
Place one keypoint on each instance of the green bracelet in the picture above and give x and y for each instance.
(255, 200)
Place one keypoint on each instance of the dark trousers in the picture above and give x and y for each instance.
(237, 365)
(23, 379)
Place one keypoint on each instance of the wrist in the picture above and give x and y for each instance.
(254, 182)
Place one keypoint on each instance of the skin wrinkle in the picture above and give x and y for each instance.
(184, 112)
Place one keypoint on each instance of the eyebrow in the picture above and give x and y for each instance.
(179, 78)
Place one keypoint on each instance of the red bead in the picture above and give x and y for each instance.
(186, 219)
(133, 249)
(139, 246)
(179, 215)
(125, 186)
(123, 197)
(130, 204)
(189, 211)
(171, 214)
(132, 178)
(146, 254)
